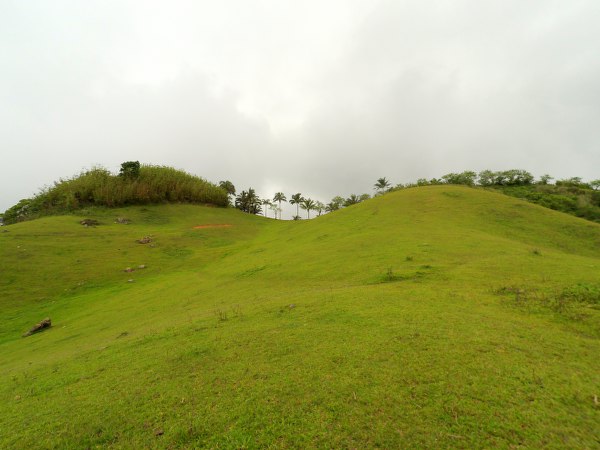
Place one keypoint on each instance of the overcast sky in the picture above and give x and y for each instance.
(320, 97)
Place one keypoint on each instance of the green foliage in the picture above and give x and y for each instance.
(130, 170)
(572, 199)
(98, 187)
(228, 187)
(467, 178)
(308, 205)
(248, 202)
(381, 185)
(582, 293)
(297, 199)
(279, 197)
(336, 203)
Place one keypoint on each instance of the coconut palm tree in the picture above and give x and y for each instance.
(352, 200)
(381, 185)
(279, 197)
(296, 200)
(319, 208)
(307, 204)
(266, 203)
(248, 202)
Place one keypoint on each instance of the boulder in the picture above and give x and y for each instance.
(89, 222)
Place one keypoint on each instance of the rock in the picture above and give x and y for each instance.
(128, 269)
(130, 280)
(46, 323)
(145, 240)
(142, 266)
(122, 220)
(159, 432)
(89, 222)
(292, 306)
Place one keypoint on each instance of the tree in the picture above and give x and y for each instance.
(228, 187)
(319, 208)
(486, 178)
(276, 210)
(352, 200)
(336, 203)
(296, 200)
(595, 184)
(266, 203)
(307, 204)
(467, 177)
(130, 170)
(279, 197)
(248, 202)
(381, 185)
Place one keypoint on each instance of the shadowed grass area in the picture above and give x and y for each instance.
(433, 317)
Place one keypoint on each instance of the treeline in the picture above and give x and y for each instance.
(135, 184)
(571, 195)
(145, 184)
(248, 201)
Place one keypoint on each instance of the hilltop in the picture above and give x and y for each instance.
(437, 316)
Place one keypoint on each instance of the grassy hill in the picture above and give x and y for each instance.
(436, 317)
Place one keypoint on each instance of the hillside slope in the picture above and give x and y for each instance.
(439, 316)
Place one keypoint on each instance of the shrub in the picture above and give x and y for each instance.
(98, 187)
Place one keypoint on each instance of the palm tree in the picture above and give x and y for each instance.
(279, 197)
(381, 185)
(307, 204)
(319, 208)
(248, 202)
(296, 200)
(352, 200)
(266, 203)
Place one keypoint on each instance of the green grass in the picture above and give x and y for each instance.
(432, 317)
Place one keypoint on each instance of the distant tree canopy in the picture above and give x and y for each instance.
(130, 169)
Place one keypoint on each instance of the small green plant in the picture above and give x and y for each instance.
(221, 315)
(582, 293)
(409, 258)
(536, 251)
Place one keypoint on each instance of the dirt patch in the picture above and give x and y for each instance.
(216, 225)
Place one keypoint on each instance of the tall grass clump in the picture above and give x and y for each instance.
(98, 187)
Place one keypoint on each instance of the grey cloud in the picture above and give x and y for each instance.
(402, 89)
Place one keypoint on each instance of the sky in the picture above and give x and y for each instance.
(320, 97)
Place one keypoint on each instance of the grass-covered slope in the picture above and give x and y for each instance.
(432, 317)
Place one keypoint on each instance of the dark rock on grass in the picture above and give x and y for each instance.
(145, 240)
(89, 222)
(46, 323)
(122, 220)
(128, 269)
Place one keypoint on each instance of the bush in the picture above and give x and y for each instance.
(98, 187)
